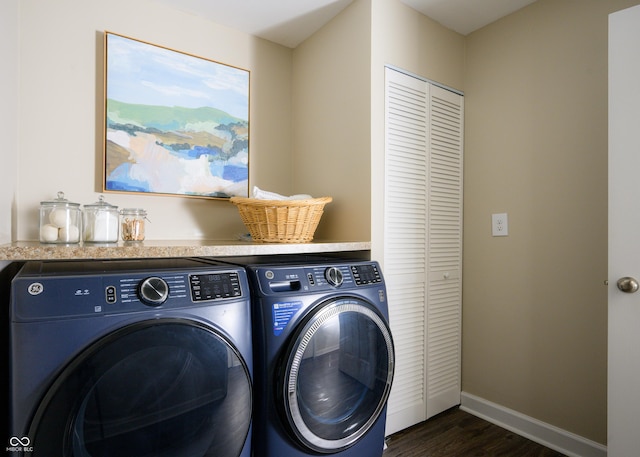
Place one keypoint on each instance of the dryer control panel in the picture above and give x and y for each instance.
(366, 274)
(282, 279)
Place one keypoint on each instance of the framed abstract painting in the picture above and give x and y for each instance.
(175, 124)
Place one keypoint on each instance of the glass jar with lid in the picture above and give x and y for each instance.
(132, 224)
(60, 221)
(100, 222)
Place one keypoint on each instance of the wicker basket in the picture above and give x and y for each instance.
(281, 221)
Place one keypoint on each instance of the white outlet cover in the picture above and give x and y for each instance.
(499, 224)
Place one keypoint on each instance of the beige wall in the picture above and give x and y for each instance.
(60, 115)
(331, 122)
(535, 304)
(407, 39)
(9, 54)
(404, 38)
(338, 106)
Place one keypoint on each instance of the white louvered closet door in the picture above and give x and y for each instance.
(405, 243)
(423, 245)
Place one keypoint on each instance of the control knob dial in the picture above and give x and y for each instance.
(153, 291)
(333, 275)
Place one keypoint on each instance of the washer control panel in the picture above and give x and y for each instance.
(200, 287)
(149, 290)
(92, 293)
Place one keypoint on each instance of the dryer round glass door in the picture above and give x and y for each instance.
(339, 369)
(162, 387)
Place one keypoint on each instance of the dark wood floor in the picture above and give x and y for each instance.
(455, 433)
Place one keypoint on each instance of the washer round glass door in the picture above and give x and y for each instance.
(338, 374)
(162, 387)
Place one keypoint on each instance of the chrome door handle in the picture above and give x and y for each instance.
(628, 284)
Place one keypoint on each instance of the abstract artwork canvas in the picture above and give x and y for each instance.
(175, 124)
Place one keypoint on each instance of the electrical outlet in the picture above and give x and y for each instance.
(499, 224)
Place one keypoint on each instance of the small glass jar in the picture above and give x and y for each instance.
(132, 222)
(100, 222)
(60, 221)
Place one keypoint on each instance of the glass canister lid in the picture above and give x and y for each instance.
(101, 205)
(133, 212)
(60, 201)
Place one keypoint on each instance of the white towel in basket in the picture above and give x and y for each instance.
(266, 195)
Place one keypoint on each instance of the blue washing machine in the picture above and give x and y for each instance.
(131, 358)
(324, 356)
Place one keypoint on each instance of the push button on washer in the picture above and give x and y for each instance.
(111, 294)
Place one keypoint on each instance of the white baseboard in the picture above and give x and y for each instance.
(548, 435)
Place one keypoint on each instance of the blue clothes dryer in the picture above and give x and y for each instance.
(324, 357)
(131, 358)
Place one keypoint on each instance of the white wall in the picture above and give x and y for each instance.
(61, 67)
(9, 74)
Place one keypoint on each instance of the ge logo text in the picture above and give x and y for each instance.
(35, 288)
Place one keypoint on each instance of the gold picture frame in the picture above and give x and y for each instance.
(174, 123)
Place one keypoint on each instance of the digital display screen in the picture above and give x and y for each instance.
(366, 274)
(213, 286)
